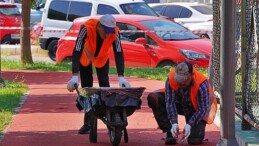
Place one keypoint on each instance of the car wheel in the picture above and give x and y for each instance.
(6, 39)
(52, 47)
(167, 64)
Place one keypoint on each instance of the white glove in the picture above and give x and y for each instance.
(186, 131)
(71, 83)
(123, 82)
(175, 130)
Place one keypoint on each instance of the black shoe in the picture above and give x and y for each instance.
(169, 140)
(85, 129)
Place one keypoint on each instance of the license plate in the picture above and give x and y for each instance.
(15, 36)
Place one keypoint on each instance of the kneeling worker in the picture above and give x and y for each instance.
(187, 92)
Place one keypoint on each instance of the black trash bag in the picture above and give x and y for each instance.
(122, 100)
(87, 103)
(80, 102)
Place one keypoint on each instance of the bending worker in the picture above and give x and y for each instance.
(187, 92)
(93, 45)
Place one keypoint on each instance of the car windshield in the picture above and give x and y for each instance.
(138, 9)
(206, 10)
(9, 11)
(168, 30)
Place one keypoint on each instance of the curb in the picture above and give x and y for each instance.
(15, 49)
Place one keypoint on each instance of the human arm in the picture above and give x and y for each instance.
(203, 103)
(171, 108)
(77, 51)
(170, 100)
(119, 56)
(119, 61)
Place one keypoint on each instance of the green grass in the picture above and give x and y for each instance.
(149, 73)
(10, 97)
(7, 64)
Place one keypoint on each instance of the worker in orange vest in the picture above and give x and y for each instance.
(187, 92)
(93, 45)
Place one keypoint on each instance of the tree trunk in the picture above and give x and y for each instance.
(26, 56)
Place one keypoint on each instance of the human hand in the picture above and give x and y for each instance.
(123, 82)
(186, 131)
(71, 83)
(175, 130)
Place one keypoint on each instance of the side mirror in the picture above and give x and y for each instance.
(141, 41)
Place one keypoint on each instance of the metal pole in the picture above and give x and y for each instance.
(227, 73)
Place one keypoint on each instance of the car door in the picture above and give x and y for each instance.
(135, 55)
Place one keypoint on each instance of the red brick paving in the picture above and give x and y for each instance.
(49, 117)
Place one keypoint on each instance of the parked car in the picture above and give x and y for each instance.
(147, 41)
(10, 21)
(185, 13)
(203, 29)
(58, 16)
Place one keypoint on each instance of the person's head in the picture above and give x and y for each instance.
(106, 26)
(183, 74)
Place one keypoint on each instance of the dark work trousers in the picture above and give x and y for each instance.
(156, 101)
(86, 76)
(157, 104)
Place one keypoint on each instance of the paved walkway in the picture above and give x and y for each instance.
(49, 117)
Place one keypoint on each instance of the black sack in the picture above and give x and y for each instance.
(80, 103)
(87, 103)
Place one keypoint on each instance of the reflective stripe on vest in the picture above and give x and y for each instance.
(198, 79)
(90, 45)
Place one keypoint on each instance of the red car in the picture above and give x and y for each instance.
(147, 41)
(10, 21)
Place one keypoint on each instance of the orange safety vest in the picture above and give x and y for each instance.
(90, 45)
(198, 79)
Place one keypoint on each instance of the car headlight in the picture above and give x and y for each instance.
(192, 54)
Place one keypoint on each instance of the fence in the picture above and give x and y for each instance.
(247, 60)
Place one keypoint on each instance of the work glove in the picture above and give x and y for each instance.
(175, 130)
(71, 83)
(186, 131)
(123, 82)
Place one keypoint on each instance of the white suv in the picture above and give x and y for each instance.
(58, 16)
